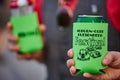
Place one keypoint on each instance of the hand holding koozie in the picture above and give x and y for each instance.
(28, 32)
(27, 29)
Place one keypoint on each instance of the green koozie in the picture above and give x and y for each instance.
(90, 41)
(26, 28)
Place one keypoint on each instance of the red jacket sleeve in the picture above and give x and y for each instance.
(70, 4)
(113, 9)
(38, 7)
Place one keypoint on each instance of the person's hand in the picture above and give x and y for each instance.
(112, 60)
(37, 55)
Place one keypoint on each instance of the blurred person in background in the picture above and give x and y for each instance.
(10, 67)
(66, 9)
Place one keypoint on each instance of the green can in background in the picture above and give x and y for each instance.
(90, 44)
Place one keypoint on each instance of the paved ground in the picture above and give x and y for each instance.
(59, 42)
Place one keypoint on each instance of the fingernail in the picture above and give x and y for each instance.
(72, 70)
(105, 61)
(68, 52)
(87, 75)
(68, 63)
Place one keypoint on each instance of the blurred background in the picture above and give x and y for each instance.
(58, 42)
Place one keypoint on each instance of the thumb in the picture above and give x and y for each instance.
(9, 25)
(112, 59)
(42, 28)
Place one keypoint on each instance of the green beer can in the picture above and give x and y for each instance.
(90, 44)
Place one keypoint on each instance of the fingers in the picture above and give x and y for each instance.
(40, 56)
(110, 74)
(20, 56)
(112, 59)
(70, 53)
(27, 56)
(13, 39)
(72, 70)
(37, 55)
(14, 48)
(31, 56)
(87, 75)
(9, 25)
(107, 59)
(42, 28)
(95, 77)
(70, 63)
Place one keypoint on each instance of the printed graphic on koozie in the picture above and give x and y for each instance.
(92, 47)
